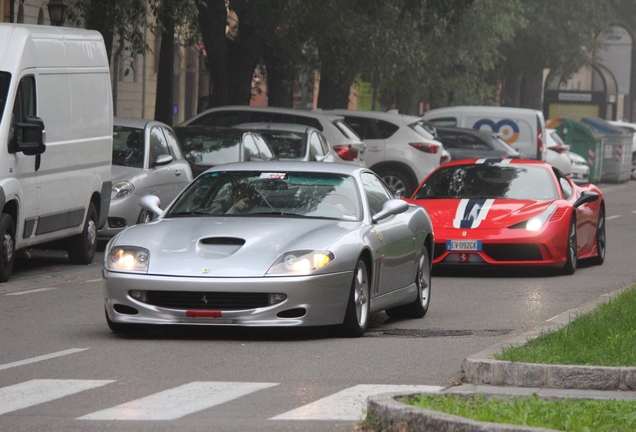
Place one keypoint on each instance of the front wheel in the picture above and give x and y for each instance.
(600, 239)
(82, 247)
(571, 252)
(7, 228)
(357, 315)
(419, 307)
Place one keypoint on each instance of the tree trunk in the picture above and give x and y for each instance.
(96, 20)
(212, 22)
(279, 85)
(531, 90)
(334, 88)
(165, 74)
(511, 91)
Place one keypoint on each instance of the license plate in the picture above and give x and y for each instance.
(463, 245)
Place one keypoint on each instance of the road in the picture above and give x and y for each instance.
(61, 368)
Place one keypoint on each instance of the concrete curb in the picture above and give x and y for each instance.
(481, 368)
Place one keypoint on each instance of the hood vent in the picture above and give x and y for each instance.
(222, 241)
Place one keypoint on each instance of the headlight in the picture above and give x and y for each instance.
(127, 259)
(121, 190)
(535, 223)
(300, 262)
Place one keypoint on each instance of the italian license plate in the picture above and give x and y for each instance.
(463, 245)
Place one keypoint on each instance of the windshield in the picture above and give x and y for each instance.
(489, 181)
(286, 144)
(128, 146)
(275, 194)
(5, 80)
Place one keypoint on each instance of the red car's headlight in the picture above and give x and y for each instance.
(535, 223)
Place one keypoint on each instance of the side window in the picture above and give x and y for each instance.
(444, 121)
(324, 144)
(566, 187)
(263, 149)
(173, 143)
(362, 127)
(25, 105)
(250, 146)
(158, 144)
(315, 146)
(386, 129)
(377, 193)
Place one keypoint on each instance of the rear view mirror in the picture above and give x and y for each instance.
(29, 136)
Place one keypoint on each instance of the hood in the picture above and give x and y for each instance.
(228, 246)
(119, 173)
(480, 213)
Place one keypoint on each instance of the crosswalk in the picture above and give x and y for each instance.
(175, 403)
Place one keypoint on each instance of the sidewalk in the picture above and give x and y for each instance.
(481, 374)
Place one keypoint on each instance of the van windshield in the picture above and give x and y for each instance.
(5, 79)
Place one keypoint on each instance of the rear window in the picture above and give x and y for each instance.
(423, 128)
(346, 130)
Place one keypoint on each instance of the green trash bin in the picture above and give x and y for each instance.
(616, 146)
(585, 142)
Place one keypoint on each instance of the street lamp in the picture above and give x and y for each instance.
(57, 12)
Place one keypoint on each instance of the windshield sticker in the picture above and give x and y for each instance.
(273, 176)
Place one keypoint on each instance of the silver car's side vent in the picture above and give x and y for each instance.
(229, 241)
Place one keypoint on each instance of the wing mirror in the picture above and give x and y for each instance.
(29, 136)
(151, 203)
(391, 208)
(163, 159)
(585, 197)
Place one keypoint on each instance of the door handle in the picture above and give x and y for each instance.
(177, 173)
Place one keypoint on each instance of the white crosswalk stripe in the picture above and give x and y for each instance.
(179, 401)
(38, 391)
(349, 404)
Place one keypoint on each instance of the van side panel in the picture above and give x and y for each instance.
(514, 131)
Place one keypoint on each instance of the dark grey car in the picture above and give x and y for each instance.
(464, 143)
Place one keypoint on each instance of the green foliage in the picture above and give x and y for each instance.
(574, 415)
(605, 336)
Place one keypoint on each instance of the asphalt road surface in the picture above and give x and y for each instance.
(61, 369)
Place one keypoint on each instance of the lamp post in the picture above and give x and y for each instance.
(57, 12)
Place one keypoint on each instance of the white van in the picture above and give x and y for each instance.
(56, 131)
(522, 128)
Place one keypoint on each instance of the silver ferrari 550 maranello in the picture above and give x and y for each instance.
(272, 244)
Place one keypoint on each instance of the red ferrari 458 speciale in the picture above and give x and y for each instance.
(512, 212)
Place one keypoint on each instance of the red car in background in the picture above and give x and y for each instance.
(512, 212)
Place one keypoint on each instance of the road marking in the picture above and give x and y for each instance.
(41, 358)
(38, 391)
(179, 401)
(94, 280)
(349, 404)
(612, 217)
(31, 291)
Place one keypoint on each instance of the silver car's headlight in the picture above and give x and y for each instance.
(127, 259)
(300, 262)
(121, 190)
(535, 223)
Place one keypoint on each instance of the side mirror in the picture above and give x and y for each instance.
(391, 208)
(151, 203)
(29, 136)
(586, 197)
(163, 159)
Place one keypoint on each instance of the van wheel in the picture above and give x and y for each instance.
(82, 246)
(398, 182)
(7, 227)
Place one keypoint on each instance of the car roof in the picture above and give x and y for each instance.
(383, 115)
(472, 109)
(209, 130)
(498, 162)
(284, 166)
(134, 122)
(313, 113)
(287, 127)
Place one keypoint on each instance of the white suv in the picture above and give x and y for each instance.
(399, 147)
(345, 144)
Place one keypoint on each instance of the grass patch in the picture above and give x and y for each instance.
(605, 336)
(572, 415)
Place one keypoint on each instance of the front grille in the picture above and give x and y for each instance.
(513, 252)
(207, 300)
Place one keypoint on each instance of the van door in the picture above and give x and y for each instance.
(24, 168)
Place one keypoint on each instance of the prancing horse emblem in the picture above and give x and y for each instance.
(205, 300)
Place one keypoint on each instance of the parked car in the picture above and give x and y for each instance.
(146, 160)
(557, 152)
(208, 146)
(464, 143)
(512, 212)
(273, 244)
(399, 148)
(347, 147)
(293, 141)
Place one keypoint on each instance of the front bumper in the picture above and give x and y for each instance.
(310, 300)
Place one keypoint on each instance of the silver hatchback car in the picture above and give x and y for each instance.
(147, 160)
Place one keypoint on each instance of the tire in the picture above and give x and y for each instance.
(82, 247)
(570, 251)
(356, 317)
(7, 227)
(122, 328)
(601, 239)
(419, 307)
(398, 182)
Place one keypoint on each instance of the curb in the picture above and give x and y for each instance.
(481, 368)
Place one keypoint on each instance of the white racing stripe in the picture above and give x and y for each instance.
(31, 291)
(38, 391)
(41, 358)
(349, 404)
(179, 401)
